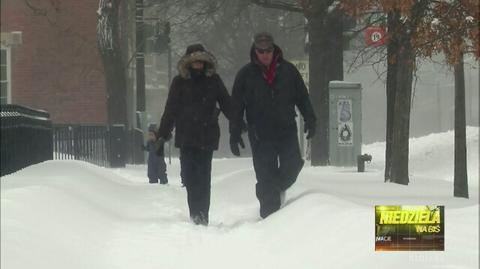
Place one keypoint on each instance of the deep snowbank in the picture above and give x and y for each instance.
(69, 214)
(432, 155)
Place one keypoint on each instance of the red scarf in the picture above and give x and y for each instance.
(269, 72)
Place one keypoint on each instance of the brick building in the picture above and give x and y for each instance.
(50, 60)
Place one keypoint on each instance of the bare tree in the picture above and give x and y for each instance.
(419, 29)
(109, 45)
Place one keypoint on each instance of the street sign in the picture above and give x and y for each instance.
(302, 66)
(375, 36)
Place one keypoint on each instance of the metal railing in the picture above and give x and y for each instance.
(108, 146)
(26, 137)
(88, 143)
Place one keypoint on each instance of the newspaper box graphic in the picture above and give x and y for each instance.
(405, 228)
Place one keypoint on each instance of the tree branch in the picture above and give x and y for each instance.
(278, 5)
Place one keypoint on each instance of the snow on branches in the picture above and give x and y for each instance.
(442, 26)
(104, 24)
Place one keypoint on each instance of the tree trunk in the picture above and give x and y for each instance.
(109, 47)
(401, 117)
(334, 29)
(326, 64)
(405, 60)
(460, 180)
(392, 48)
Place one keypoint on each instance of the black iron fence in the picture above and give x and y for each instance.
(81, 142)
(109, 146)
(26, 137)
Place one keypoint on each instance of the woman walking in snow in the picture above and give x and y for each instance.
(192, 109)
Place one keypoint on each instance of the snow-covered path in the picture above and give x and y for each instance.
(69, 214)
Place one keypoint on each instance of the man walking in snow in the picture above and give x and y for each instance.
(267, 90)
(192, 109)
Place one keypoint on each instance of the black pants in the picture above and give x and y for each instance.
(277, 163)
(196, 167)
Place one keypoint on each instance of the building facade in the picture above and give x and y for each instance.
(50, 60)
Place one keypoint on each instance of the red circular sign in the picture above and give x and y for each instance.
(375, 36)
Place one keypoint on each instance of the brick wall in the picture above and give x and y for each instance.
(58, 67)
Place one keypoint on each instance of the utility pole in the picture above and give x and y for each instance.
(460, 179)
(140, 67)
(439, 108)
(140, 57)
(169, 51)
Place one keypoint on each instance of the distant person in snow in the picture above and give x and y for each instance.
(267, 90)
(157, 168)
(192, 109)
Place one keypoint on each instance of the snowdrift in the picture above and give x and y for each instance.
(70, 214)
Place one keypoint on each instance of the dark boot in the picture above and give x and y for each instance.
(269, 197)
(164, 180)
(288, 172)
(200, 219)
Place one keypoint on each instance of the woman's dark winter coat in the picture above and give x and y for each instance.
(192, 105)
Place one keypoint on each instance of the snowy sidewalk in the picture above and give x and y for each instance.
(70, 214)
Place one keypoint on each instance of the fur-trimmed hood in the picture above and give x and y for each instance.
(204, 56)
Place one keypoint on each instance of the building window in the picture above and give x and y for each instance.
(5, 97)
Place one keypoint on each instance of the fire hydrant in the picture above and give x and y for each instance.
(361, 159)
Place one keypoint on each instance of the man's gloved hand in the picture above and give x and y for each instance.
(236, 140)
(159, 146)
(309, 129)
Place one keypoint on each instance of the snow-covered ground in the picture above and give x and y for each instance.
(71, 214)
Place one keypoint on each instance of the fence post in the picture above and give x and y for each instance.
(117, 145)
(138, 155)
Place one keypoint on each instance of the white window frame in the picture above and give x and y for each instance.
(9, 72)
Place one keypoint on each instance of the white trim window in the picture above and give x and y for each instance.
(5, 76)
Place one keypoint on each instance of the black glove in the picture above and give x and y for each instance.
(309, 129)
(159, 146)
(236, 140)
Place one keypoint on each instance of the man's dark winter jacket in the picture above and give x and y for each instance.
(270, 110)
(192, 105)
